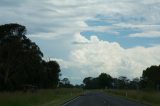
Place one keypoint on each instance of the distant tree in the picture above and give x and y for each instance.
(151, 77)
(142, 83)
(150, 80)
(79, 86)
(65, 81)
(105, 80)
(102, 81)
(123, 82)
(134, 84)
(117, 83)
(88, 82)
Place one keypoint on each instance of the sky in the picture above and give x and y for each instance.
(89, 37)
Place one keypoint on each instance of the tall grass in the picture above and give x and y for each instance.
(148, 97)
(40, 98)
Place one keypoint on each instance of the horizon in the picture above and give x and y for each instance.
(120, 38)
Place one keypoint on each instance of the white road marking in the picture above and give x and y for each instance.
(71, 101)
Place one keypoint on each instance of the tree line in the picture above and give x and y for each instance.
(149, 80)
(22, 67)
(21, 63)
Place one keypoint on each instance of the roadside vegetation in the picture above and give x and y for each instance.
(151, 98)
(145, 89)
(21, 62)
(52, 97)
(28, 79)
(149, 80)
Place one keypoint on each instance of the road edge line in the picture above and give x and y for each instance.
(69, 101)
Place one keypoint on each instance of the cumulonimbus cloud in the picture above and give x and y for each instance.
(57, 25)
(98, 56)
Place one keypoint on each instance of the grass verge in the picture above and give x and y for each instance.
(52, 97)
(151, 98)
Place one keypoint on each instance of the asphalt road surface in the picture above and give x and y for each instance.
(100, 99)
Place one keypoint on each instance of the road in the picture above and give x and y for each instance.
(100, 99)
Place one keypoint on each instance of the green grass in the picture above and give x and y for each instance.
(50, 97)
(56, 97)
(148, 97)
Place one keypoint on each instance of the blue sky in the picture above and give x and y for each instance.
(123, 40)
(118, 37)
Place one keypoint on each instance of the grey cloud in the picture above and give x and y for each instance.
(64, 18)
(12, 3)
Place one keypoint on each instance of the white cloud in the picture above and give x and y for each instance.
(65, 19)
(47, 36)
(78, 38)
(149, 34)
(99, 56)
(53, 16)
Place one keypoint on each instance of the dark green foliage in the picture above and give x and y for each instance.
(91, 83)
(105, 80)
(150, 80)
(50, 75)
(123, 82)
(102, 81)
(21, 60)
(134, 84)
(151, 77)
(65, 83)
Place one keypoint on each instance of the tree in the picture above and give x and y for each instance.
(102, 81)
(65, 81)
(134, 84)
(88, 82)
(151, 77)
(105, 80)
(21, 61)
(50, 75)
(123, 82)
